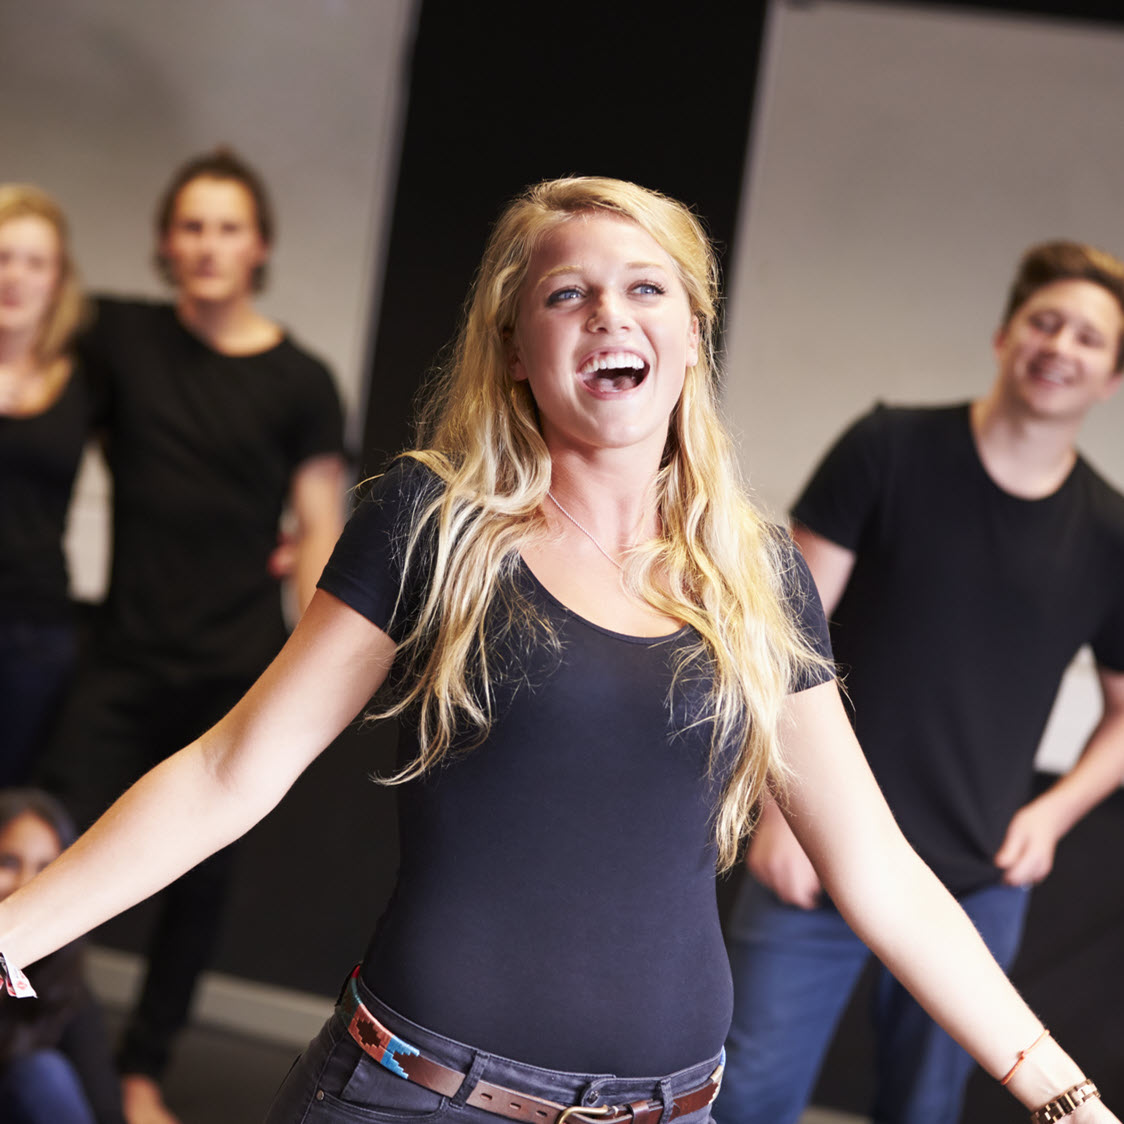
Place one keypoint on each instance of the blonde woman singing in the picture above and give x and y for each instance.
(602, 658)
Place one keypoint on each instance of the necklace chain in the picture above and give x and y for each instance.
(584, 530)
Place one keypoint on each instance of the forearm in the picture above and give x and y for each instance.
(316, 499)
(917, 929)
(1096, 775)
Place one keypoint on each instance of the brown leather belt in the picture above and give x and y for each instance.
(407, 1061)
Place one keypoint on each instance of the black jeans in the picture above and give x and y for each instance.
(335, 1082)
(36, 664)
(119, 722)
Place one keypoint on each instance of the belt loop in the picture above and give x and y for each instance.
(667, 1095)
(591, 1094)
(471, 1078)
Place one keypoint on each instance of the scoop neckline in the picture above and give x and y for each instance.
(663, 637)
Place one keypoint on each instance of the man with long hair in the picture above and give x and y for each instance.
(215, 422)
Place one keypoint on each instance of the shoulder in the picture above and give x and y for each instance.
(1105, 501)
(889, 435)
(118, 324)
(408, 485)
(111, 311)
(371, 568)
(308, 381)
(905, 422)
(301, 362)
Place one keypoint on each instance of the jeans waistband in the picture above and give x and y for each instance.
(556, 1085)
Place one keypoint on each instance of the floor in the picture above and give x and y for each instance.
(217, 1077)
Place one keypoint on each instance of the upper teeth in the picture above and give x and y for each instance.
(614, 359)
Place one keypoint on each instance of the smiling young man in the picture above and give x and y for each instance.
(215, 423)
(963, 554)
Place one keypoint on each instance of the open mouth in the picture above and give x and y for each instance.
(1051, 373)
(611, 372)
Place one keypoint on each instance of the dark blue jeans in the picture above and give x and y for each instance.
(36, 664)
(335, 1081)
(42, 1088)
(794, 971)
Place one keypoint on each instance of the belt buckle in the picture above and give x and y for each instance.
(586, 1110)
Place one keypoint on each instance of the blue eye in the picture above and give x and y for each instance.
(649, 288)
(559, 295)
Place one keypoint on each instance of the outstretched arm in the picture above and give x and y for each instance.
(212, 791)
(899, 908)
(1027, 853)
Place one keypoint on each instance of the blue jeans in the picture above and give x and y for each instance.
(794, 971)
(42, 1088)
(335, 1081)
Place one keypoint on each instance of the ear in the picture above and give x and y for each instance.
(514, 360)
(264, 250)
(1112, 386)
(999, 341)
(693, 343)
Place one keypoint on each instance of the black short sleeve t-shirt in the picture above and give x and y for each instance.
(555, 900)
(963, 609)
(202, 447)
(39, 457)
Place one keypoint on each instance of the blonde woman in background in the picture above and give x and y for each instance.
(45, 415)
(602, 659)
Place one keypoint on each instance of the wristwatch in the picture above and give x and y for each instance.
(1064, 1103)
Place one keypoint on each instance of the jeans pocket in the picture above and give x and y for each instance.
(378, 1095)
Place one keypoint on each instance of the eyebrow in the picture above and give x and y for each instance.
(558, 269)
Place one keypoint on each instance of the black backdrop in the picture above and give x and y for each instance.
(503, 93)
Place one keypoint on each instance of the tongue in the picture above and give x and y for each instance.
(619, 378)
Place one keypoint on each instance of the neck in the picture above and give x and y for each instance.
(617, 507)
(17, 350)
(1026, 456)
(232, 327)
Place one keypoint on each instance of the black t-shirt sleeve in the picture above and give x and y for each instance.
(840, 498)
(318, 417)
(804, 604)
(1108, 644)
(366, 570)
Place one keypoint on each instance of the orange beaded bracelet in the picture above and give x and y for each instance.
(1022, 1057)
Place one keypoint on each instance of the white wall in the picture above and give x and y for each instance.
(902, 162)
(101, 99)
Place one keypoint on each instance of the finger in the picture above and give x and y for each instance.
(1013, 848)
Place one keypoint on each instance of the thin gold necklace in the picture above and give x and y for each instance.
(584, 530)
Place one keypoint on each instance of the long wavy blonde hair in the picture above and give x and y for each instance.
(717, 566)
(68, 308)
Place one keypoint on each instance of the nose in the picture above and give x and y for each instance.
(1063, 338)
(607, 313)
